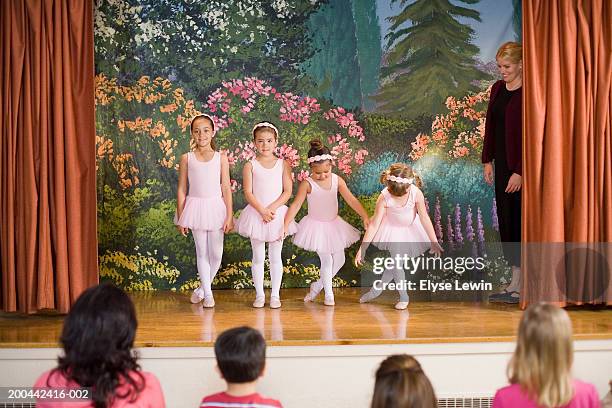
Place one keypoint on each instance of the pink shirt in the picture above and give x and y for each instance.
(585, 396)
(224, 400)
(150, 397)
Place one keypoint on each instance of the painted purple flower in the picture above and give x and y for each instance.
(469, 226)
(438, 221)
(458, 232)
(449, 233)
(480, 233)
(494, 215)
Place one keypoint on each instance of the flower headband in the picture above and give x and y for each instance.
(320, 158)
(264, 124)
(400, 180)
(204, 115)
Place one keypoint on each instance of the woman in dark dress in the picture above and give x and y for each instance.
(502, 146)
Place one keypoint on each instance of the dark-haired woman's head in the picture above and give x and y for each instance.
(401, 382)
(97, 338)
(319, 160)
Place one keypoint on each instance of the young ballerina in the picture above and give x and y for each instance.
(322, 230)
(267, 187)
(207, 209)
(400, 224)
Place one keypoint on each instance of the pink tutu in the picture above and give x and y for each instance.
(409, 240)
(250, 224)
(325, 236)
(203, 213)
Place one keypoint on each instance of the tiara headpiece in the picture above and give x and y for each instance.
(264, 124)
(320, 157)
(400, 180)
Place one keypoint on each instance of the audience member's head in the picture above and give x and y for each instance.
(542, 361)
(401, 383)
(241, 354)
(97, 338)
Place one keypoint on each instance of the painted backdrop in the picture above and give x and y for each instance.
(379, 81)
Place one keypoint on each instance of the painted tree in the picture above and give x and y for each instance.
(517, 23)
(346, 38)
(431, 55)
(369, 50)
(334, 65)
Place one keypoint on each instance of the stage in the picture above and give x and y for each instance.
(167, 319)
(318, 355)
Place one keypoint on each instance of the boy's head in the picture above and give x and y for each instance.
(241, 354)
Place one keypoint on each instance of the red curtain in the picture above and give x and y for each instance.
(567, 139)
(48, 246)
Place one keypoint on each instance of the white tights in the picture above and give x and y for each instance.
(276, 266)
(330, 265)
(396, 274)
(209, 249)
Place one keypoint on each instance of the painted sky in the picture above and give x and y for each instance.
(495, 28)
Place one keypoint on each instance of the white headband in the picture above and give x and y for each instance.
(264, 124)
(400, 180)
(320, 158)
(208, 117)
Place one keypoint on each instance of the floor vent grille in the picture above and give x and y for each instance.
(465, 402)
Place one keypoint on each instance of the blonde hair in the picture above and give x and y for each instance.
(399, 170)
(511, 50)
(401, 382)
(543, 358)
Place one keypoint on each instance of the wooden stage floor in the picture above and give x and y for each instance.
(167, 319)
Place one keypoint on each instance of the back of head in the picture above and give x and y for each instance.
(542, 361)
(398, 177)
(510, 50)
(241, 354)
(401, 383)
(97, 338)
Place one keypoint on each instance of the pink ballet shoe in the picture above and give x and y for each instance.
(275, 302)
(312, 294)
(369, 296)
(401, 305)
(208, 302)
(195, 297)
(259, 302)
(329, 301)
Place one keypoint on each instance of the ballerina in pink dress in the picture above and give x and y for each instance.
(400, 224)
(322, 230)
(267, 187)
(207, 209)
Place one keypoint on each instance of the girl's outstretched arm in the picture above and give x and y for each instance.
(353, 202)
(226, 189)
(426, 222)
(287, 188)
(181, 192)
(373, 226)
(295, 206)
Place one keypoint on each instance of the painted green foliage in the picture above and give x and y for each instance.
(433, 58)
(201, 43)
(346, 36)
